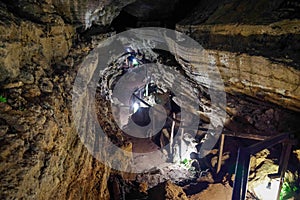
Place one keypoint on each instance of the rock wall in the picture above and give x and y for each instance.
(41, 155)
(258, 77)
(256, 53)
(24, 42)
(79, 13)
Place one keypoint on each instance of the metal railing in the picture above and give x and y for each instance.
(243, 161)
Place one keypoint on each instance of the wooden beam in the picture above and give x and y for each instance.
(172, 135)
(246, 135)
(220, 153)
(287, 152)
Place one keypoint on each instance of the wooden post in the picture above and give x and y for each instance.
(146, 92)
(287, 152)
(172, 135)
(181, 143)
(220, 152)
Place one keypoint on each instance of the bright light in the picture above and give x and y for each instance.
(264, 192)
(134, 62)
(136, 106)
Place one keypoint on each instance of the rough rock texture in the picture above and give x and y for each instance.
(41, 154)
(259, 77)
(264, 163)
(79, 13)
(254, 46)
(237, 11)
(24, 42)
(214, 191)
(167, 191)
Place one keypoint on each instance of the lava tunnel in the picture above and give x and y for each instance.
(154, 100)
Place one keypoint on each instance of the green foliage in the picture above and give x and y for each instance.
(185, 161)
(3, 99)
(288, 190)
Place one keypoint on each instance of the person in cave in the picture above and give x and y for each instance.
(133, 59)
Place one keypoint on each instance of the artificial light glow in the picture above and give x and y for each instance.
(264, 192)
(134, 62)
(136, 106)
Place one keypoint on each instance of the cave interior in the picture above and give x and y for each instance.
(218, 122)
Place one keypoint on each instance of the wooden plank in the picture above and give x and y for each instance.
(220, 153)
(246, 135)
(287, 154)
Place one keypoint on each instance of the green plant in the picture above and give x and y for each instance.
(288, 190)
(187, 163)
(3, 99)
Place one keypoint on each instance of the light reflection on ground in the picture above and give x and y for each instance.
(270, 193)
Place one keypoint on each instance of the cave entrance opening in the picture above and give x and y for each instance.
(124, 21)
(165, 13)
